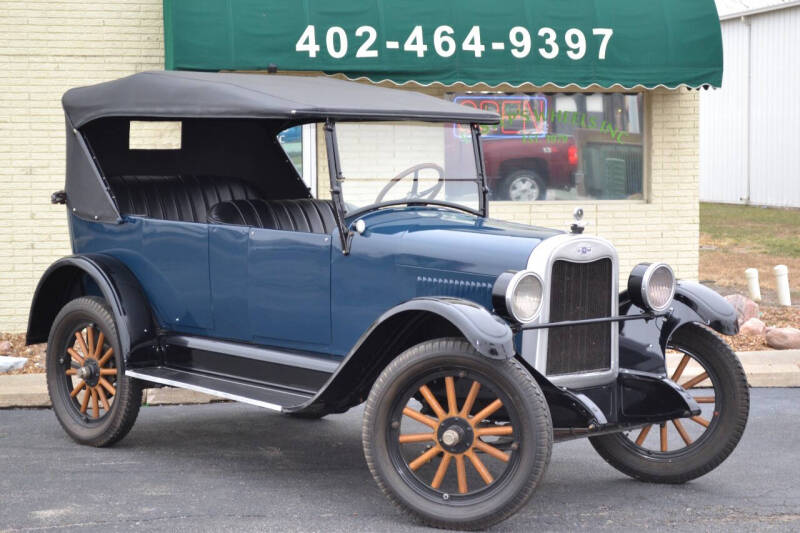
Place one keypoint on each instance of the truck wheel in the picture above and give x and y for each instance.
(677, 451)
(92, 399)
(525, 186)
(456, 439)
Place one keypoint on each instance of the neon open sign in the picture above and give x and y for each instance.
(522, 115)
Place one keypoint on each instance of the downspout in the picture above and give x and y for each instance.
(746, 22)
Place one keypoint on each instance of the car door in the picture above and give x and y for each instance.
(175, 267)
(289, 288)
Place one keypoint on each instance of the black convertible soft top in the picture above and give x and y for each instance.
(234, 95)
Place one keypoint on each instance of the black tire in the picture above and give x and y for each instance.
(523, 406)
(82, 422)
(530, 180)
(718, 440)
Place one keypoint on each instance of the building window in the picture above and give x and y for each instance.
(562, 146)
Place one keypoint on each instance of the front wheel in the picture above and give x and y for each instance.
(456, 439)
(680, 450)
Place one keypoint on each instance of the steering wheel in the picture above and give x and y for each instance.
(415, 193)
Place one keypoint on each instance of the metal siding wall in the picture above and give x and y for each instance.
(723, 124)
(772, 136)
(775, 111)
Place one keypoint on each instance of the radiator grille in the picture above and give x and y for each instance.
(580, 291)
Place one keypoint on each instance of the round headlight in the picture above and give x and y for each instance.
(518, 295)
(652, 286)
(525, 297)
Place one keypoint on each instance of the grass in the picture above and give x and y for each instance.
(765, 230)
(734, 238)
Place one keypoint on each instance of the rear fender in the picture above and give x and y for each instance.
(66, 279)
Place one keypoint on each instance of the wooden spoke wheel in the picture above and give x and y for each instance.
(676, 451)
(92, 399)
(461, 449)
(91, 372)
(674, 436)
(461, 445)
(457, 439)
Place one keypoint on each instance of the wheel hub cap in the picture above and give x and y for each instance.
(455, 435)
(524, 189)
(452, 436)
(89, 372)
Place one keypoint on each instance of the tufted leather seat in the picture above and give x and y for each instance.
(306, 215)
(182, 198)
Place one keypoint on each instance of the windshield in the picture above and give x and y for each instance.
(407, 162)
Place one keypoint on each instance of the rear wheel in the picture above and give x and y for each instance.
(92, 399)
(680, 450)
(457, 440)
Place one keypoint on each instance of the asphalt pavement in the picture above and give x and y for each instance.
(227, 466)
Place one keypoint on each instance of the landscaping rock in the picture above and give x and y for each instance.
(753, 327)
(745, 307)
(8, 364)
(6, 347)
(783, 338)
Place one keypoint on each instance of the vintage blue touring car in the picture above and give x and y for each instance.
(208, 264)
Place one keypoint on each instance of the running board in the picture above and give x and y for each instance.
(259, 395)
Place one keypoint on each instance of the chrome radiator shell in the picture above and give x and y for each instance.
(580, 249)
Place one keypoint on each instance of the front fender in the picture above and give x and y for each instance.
(67, 278)
(643, 343)
(398, 329)
(699, 302)
(489, 334)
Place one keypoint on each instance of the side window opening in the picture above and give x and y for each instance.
(291, 141)
(179, 169)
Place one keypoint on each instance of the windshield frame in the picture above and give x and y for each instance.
(336, 178)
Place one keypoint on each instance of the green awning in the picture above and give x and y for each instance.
(583, 43)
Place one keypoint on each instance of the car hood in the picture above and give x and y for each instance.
(447, 240)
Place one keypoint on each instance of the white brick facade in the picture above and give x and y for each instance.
(45, 49)
(48, 47)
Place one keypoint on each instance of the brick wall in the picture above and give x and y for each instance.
(45, 49)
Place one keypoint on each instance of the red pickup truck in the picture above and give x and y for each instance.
(523, 158)
(522, 169)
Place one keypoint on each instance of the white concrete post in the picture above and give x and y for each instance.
(782, 285)
(752, 284)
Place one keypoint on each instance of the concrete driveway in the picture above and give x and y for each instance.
(227, 466)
